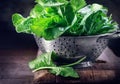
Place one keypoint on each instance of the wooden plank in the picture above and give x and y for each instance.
(17, 56)
(106, 66)
(11, 66)
(86, 76)
(103, 71)
(43, 76)
(8, 70)
(14, 66)
(16, 81)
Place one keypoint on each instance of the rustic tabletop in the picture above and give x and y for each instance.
(105, 70)
(14, 66)
(14, 69)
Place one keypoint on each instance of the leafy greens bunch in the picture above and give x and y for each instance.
(53, 18)
(46, 61)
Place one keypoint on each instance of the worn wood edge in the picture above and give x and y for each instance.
(43, 76)
(91, 76)
(86, 76)
(100, 72)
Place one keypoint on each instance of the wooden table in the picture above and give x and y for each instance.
(105, 70)
(14, 66)
(14, 69)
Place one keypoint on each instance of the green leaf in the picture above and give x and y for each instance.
(85, 10)
(37, 11)
(56, 29)
(22, 24)
(99, 23)
(53, 33)
(40, 25)
(49, 27)
(95, 20)
(96, 7)
(51, 2)
(65, 71)
(77, 4)
(62, 1)
(69, 14)
(17, 19)
(51, 19)
(92, 8)
(44, 60)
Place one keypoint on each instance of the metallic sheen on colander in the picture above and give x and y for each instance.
(70, 47)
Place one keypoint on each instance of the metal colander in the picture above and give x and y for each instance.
(73, 47)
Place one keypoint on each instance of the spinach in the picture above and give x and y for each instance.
(48, 19)
(65, 71)
(52, 18)
(93, 20)
(46, 61)
(77, 4)
(51, 2)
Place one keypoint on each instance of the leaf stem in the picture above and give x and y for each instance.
(83, 58)
(62, 65)
(41, 68)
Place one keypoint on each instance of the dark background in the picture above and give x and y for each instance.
(9, 39)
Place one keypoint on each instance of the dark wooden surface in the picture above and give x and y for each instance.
(14, 69)
(14, 66)
(105, 70)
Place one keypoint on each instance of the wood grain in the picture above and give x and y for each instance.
(14, 66)
(106, 69)
(86, 76)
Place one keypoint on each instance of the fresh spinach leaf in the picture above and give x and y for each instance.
(40, 26)
(98, 23)
(53, 33)
(46, 61)
(65, 71)
(69, 14)
(77, 4)
(17, 19)
(22, 24)
(37, 11)
(51, 2)
(94, 21)
(51, 19)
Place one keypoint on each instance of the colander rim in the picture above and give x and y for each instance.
(100, 35)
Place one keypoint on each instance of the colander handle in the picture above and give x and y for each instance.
(109, 36)
(116, 34)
